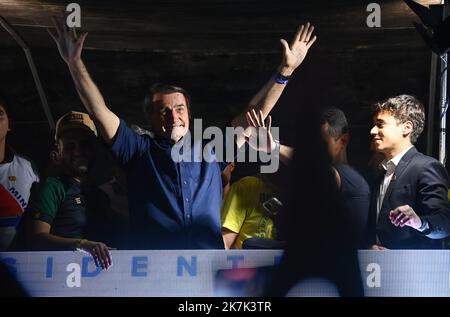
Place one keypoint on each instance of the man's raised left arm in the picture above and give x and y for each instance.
(293, 55)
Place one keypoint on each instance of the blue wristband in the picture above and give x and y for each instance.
(282, 80)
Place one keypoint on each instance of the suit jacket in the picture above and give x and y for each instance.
(421, 182)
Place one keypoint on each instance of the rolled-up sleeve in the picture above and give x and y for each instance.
(126, 143)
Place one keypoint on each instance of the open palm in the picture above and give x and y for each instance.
(295, 53)
(261, 138)
(69, 45)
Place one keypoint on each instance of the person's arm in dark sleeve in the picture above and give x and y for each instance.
(126, 143)
(433, 199)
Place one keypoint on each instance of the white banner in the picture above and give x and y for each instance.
(194, 273)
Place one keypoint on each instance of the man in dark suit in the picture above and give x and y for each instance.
(410, 208)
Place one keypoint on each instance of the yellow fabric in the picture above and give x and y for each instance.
(242, 211)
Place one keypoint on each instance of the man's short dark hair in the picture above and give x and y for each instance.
(165, 89)
(405, 108)
(337, 121)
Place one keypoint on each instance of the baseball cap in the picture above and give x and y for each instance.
(74, 120)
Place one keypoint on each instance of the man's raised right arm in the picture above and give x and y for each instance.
(70, 47)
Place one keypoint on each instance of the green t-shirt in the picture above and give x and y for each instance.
(243, 213)
(60, 203)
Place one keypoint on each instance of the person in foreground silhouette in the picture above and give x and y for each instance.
(320, 243)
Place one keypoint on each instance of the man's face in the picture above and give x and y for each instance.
(4, 123)
(170, 115)
(76, 151)
(335, 145)
(387, 134)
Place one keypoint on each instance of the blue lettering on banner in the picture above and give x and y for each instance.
(139, 262)
(10, 264)
(235, 260)
(190, 268)
(49, 272)
(85, 264)
(192, 273)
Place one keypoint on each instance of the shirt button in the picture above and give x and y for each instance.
(188, 216)
(187, 199)
(184, 182)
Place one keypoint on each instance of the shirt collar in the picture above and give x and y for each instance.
(388, 165)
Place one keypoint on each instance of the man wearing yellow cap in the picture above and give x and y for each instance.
(62, 211)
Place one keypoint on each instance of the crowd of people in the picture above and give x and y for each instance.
(316, 195)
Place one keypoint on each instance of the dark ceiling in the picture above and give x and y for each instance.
(222, 51)
(215, 26)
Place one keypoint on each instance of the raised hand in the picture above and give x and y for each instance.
(261, 138)
(69, 45)
(295, 53)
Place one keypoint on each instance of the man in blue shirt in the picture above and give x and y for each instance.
(173, 205)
